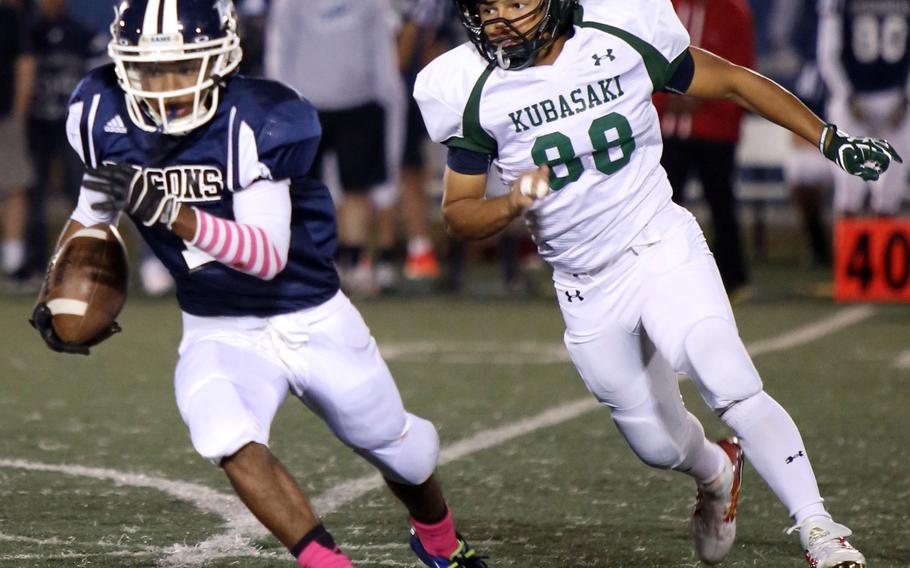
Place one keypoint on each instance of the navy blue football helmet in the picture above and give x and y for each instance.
(518, 50)
(154, 41)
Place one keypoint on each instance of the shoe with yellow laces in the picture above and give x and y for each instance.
(463, 557)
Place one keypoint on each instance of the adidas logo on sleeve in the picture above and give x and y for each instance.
(115, 126)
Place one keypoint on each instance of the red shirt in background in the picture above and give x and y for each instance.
(723, 27)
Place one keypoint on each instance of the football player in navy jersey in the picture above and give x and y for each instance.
(213, 170)
(864, 58)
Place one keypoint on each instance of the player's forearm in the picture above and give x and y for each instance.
(185, 224)
(244, 247)
(771, 101)
(473, 219)
(717, 78)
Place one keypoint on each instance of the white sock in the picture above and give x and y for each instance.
(722, 484)
(814, 510)
(774, 447)
(13, 255)
(419, 245)
(705, 460)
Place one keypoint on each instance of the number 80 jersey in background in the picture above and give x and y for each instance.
(588, 116)
(869, 46)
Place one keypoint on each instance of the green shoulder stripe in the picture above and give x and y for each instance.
(659, 69)
(475, 137)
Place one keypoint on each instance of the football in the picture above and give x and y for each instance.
(87, 284)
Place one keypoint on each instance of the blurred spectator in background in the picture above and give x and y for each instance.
(864, 57)
(96, 15)
(60, 48)
(421, 38)
(808, 174)
(700, 137)
(349, 45)
(16, 83)
(253, 17)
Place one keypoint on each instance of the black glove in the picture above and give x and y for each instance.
(41, 320)
(867, 158)
(127, 191)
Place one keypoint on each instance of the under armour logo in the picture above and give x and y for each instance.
(598, 58)
(577, 295)
(792, 458)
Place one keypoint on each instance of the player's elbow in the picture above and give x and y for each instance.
(269, 265)
(454, 233)
(741, 83)
(274, 270)
(268, 276)
(454, 228)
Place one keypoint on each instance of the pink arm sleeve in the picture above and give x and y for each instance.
(258, 242)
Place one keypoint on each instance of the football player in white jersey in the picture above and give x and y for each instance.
(557, 95)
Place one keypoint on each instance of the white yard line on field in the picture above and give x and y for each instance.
(354, 489)
(242, 528)
(345, 493)
(56, 541)
(813, 331)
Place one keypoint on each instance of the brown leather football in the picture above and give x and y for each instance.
(87, 284)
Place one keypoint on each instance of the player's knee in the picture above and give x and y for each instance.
(411, 459)
(219, 429)
(369, 418)
(717, 361)
(748, 406)
(651, 443)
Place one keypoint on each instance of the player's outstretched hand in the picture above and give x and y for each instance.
(528, 188)
(41, 321)
(127, 191)
(867, 158)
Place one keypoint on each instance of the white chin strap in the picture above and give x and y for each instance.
(501, 58)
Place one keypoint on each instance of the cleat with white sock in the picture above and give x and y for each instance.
(826, 546)
(714, 518)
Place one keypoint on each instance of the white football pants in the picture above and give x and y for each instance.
(234, 372)
(645, 305)
(661, 308)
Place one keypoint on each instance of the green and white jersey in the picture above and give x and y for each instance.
(588, 115)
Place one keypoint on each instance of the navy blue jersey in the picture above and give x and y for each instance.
(261, 130)
(876, 43)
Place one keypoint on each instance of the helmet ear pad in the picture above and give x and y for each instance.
(149, 33)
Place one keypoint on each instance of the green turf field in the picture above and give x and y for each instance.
(96, 468)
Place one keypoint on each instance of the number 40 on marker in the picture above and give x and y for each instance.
(872, 260)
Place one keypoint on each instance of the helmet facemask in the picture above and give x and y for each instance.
(172, 86)
(515, 50)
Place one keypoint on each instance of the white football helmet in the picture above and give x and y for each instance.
(170, 57)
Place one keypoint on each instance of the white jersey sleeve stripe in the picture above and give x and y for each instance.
(230, 150)
(74, 128)
(96, 100)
